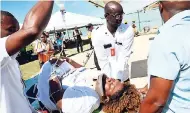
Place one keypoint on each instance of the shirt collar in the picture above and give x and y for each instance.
(176, 19)
(120, 29)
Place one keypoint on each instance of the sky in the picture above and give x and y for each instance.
(20, 8)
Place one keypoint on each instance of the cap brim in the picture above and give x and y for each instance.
(99, 86)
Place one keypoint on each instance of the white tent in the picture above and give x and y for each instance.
(71, 20)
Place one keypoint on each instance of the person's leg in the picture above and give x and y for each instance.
(81, 46)
(77, 43)
(63, 53)
(91, 47)
(59, 48)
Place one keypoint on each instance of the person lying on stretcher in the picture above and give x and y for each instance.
(72, 88)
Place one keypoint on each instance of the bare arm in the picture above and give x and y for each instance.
(34, 23)
(56, 91)
(74, 64)
(143, 90)
(70, 61)
(157, 95)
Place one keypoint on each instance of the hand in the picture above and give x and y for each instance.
(40, 50)
(45, 51)
(67, 59)
(143, 90)
(53, 60)
(60, 61)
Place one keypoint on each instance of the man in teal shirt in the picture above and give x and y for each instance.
(60, 45)
(169, 62)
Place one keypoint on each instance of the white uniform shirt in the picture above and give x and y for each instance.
(169, 58)
(113, 63)
(12, 99)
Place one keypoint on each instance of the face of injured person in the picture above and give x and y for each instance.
(111, 86)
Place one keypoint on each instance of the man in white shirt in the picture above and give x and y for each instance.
(169, 62)
(113, 42)
(12, 99)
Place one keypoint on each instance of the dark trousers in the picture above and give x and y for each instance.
(61, 49)
(96, 62)
(63, 53)
(79, 43)
(90, 41)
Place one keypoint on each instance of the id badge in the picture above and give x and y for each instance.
(112, 51)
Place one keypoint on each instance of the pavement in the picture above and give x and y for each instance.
(137, 61)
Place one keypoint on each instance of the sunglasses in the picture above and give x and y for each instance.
(116, 16)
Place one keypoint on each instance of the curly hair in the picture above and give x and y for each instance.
(125, 101)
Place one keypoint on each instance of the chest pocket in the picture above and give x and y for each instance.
(107, 47)
(119, 44)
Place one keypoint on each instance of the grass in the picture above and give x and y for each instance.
(31, 69)
(29, 47)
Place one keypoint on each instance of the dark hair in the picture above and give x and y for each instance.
(89, 25)
(126, 100)
(6, 13)
(45, 34)
(58, 34)
(119, 93)
(175, 7)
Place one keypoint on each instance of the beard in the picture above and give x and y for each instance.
(114, 24)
